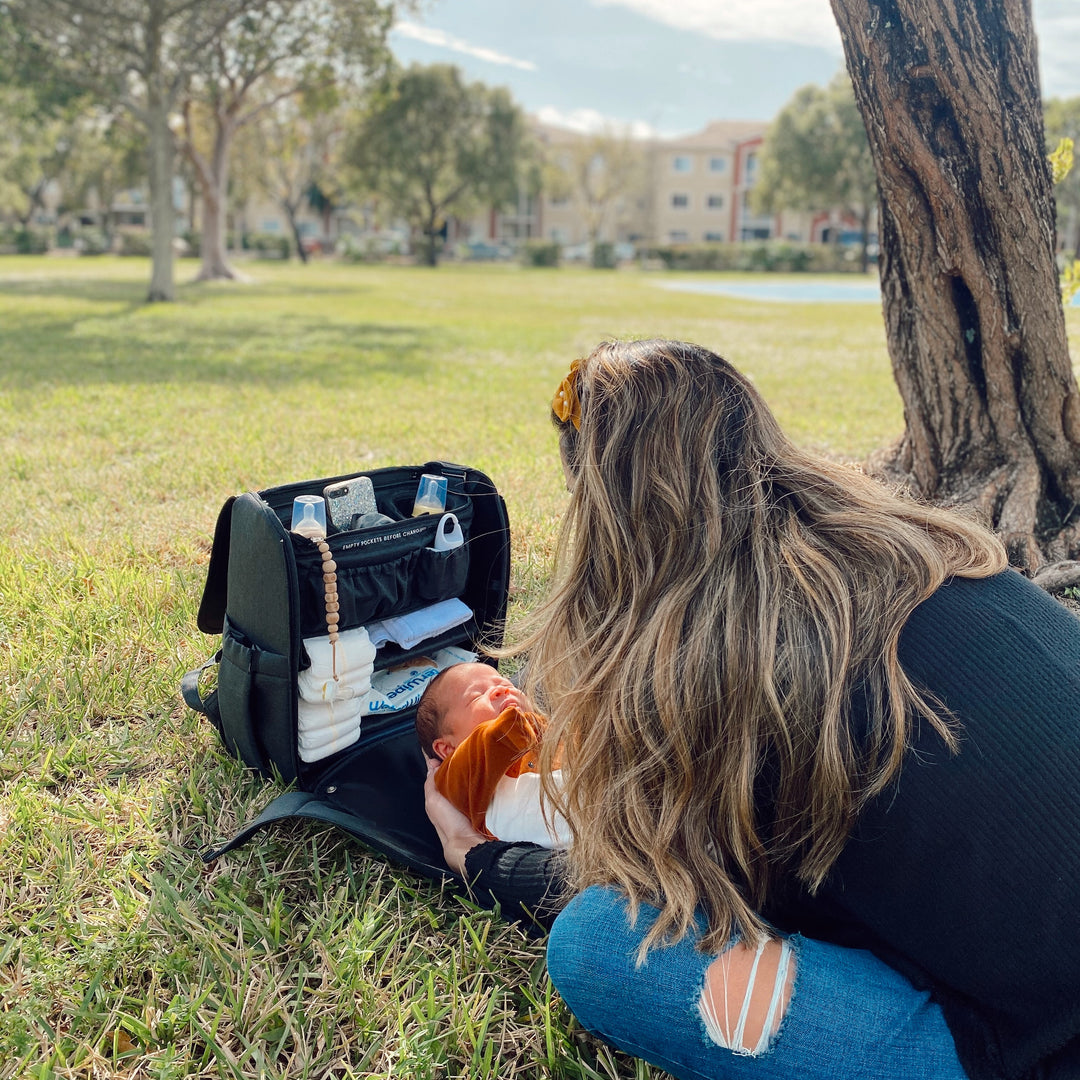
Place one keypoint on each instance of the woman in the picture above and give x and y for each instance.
(791, 702)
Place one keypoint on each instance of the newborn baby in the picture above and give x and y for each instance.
(485, 734)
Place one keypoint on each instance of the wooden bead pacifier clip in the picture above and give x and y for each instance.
(329, 577)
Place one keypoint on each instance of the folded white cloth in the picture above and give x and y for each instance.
(409, 630)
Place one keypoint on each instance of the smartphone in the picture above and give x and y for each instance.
(348, 498)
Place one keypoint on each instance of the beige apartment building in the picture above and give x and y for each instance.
(701, 183)
(691, 189)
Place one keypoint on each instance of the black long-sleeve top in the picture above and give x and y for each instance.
(965, 874)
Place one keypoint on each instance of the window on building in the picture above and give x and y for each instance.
(714, 238)
(680, 202)
(715, 202)
(678, 236)
(751, 168)
(682, 163)
(718, 164)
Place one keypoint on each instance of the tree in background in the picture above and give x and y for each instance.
(34, 146)
(816, 157)
(1062, 118)
(606, 177)
(949, 92)
(106, 157)
(139, 54)
(293, 46)
(430, 145)
(300, 139)
(42, 111)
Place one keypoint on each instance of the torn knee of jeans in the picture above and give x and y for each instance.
(746, 994)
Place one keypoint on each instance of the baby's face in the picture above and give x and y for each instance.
(472, 694)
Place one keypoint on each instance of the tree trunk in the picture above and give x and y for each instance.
(949, 93)
(864, 225)
(291, 210)
(213, 179)
(162, 220)
(429, 244)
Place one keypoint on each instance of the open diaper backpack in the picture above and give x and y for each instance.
(328, 641)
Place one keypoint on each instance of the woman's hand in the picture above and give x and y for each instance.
(458, 837)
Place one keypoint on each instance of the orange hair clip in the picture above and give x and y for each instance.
(566, 404)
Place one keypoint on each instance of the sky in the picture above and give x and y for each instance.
(665, 66)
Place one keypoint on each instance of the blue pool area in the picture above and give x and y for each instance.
(790, 292)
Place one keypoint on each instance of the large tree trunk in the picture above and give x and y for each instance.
(162, 219)
(949, 93)
(213, 180)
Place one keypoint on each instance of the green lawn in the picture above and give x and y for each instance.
(122, 430)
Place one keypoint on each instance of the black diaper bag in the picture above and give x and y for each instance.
(264, 596)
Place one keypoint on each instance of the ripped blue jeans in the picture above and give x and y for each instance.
(836, 1012)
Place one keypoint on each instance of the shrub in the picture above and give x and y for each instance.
(31, 241)
(135, 243)
(603, 256)
(756, 256)
(541, 253)
(269, 245)
(90, 242)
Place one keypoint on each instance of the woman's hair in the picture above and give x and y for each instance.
(721, 601)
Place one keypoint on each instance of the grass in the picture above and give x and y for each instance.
(122, 430)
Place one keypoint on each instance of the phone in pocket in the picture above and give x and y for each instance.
(348, 498)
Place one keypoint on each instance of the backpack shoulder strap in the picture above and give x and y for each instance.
(189, 689)
(211, 617)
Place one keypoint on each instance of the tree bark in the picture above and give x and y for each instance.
(949, 93)
(162, 221)
(292, 209)
(213, 179)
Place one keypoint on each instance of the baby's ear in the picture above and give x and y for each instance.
(443, 748)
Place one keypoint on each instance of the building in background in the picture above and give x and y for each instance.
(691, 189)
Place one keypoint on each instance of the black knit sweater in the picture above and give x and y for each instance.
(965, 875)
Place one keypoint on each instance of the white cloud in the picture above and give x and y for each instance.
(591, 122)
(1058, 29)
(801, 22)
(439, 38)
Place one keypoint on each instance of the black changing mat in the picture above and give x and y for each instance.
(377, 795)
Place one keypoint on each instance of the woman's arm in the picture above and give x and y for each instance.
(524, 880)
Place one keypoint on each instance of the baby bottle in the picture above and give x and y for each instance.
(309, 516)
(430, 495)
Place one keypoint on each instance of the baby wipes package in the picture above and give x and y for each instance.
(400, 687)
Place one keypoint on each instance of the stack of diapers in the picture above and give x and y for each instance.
(329, 711)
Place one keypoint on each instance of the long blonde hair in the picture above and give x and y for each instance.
(719, 597)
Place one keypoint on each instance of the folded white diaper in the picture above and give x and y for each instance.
(329, 710)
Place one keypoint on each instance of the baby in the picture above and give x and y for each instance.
(486, 736)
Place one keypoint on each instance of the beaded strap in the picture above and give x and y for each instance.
(331, 599)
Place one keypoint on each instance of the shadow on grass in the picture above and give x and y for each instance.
(284, 350)
(107, 290)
